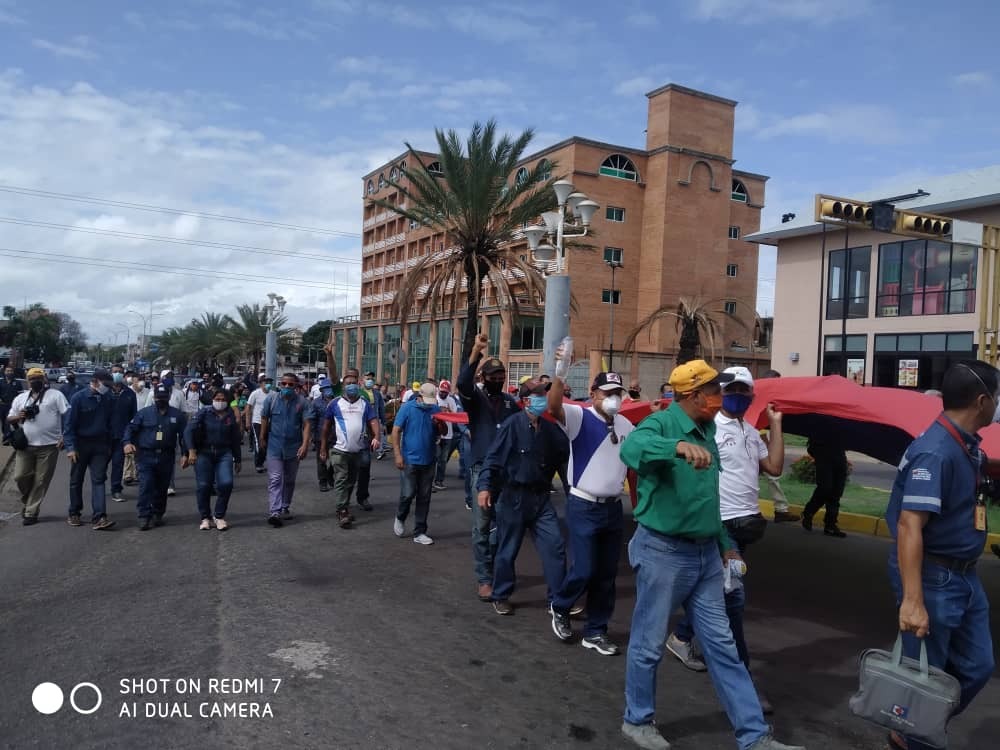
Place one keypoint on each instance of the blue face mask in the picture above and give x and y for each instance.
(287, 391)
(169, 382)
(537, 405)
(736, 403)
(327, 392)
(369, 383)
(352, 390)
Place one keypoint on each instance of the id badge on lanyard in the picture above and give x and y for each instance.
(979, 515)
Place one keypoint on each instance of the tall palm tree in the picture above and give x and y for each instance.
(696, 322)
(247, 335)
(471, 202)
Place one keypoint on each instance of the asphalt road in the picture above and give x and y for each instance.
(381, 643)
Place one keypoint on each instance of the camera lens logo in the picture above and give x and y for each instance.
(48, 698)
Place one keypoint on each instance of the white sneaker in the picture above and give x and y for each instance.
(397, 527)
(171, 491)
(423, 539)
(206, 524)
(220, 524)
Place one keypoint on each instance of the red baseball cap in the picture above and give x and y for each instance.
(445, 386)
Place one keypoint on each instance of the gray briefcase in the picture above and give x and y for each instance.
(906, 695)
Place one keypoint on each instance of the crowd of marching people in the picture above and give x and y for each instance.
(696, 464)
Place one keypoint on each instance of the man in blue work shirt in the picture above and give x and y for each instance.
(123, 408)
(87, 439)
(317, 411)
(488, 408)
(937, 514)
(516, 476)
(71, 386)
(414, 441)
(152, 436)
(284, 438)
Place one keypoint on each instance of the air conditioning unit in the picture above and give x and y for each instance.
(794, 356)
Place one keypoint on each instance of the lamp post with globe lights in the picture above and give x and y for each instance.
(269, 315)
(557, 288)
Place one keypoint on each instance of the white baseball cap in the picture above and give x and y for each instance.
(740, 375)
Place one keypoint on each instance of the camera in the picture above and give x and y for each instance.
(31, 411)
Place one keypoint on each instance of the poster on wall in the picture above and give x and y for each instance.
(908, 370)
(856, 371)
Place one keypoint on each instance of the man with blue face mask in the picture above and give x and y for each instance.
(284, 438)
(744, 456)
(123, 408)
(317, 413)
(517, 475)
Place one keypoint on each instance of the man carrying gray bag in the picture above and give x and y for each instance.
(937, 516)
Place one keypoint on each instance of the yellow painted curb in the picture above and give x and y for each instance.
(859, 523)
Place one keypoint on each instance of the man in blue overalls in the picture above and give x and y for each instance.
(937, 514)
(153, 434)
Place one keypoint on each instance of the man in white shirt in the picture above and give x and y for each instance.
(448, 442)
(39, 411)
(252, 418)
(593, 507)
(744, 455)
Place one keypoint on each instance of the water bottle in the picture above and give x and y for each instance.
(566, 356)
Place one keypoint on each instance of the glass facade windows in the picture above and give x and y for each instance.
(369, 349)
(528, 333)
(847, 283)
(612, 255)
(493, 350)
(419, 345)
(606, 296)
(352, 347)
(619, 166)
(926, 277)
(442, 351)
(613, 213)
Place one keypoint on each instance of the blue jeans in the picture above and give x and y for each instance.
(117, 465)
(518, 510)
(444, 450)
(959, 641)
(155, 471)
(595, 542)
(214, 467)
(484, 528)
(92, 455)
(415, 483)
(669, 573)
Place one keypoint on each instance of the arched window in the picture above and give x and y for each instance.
(545, 169)
(521, 177)
(435, 168)
(394, 174)
(381, 181)
(402, 167)
(371, 187)
(619, 166)
(740, 192)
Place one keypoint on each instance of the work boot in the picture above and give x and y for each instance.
(646, 736)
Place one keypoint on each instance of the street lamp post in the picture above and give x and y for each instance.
(268, 316)
(557, 292)
(615, 265)
(145, 322)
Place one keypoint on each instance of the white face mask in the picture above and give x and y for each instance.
(611, 404)
(102, 389)
(219, 405)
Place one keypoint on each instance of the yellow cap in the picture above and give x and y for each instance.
(416, 385)
(694, 374)
(524, 379)
(36, 372)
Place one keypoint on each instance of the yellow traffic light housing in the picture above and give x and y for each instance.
(833, 210)
(916, 224)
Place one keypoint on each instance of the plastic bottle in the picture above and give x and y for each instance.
(566, 356)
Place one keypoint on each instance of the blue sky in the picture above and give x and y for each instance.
(276, 110)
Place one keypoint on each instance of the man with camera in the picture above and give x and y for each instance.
(39, 412)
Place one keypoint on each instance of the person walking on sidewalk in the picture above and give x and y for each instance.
(352, 419)
(414, 439)
(87, 439)
(517, 476)
(488, 408)
(152, 436)
(252, 419)
(123, 409)
(214, 447)
(831, 479)
(593, 507)
(677, 553)
(40, 411)
(937, 517)
(447, 442)
(284, 436)
(744, 457)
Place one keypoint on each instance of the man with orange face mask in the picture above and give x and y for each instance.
(677, 554)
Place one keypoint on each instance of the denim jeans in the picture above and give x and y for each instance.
(415, 483)
(595, 542)
(92, 455)
(344, 468)
(484, 528)
(155, 471)
(520, 509)
(117, 465)
(364, 473)
(669, 573)
(959, 641)
(281, 473)
(214, 467)
(444, 450)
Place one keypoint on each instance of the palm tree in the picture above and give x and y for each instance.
(694, 319)
(472, 204)
(247, 335)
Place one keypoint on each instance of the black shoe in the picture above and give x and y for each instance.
(275, 521)
(324, 487)
(996, 549)
(807, 523)
(364, 504)
(560, 625)
(286, 515)
(145, 524)
(503, 608)
(834, 531)
(158, 519)
(601, 644)
(29, 520)
(259, 469)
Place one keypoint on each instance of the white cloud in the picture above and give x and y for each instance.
(973, 78)
(351, 95)
(848, 123)
(765, 11)
(274, 25)
(80, 48)
(639, 85)
(476, 87)
(181, 153)
(748, 118)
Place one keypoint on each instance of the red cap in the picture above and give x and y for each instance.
(512, 390)
(445, 386)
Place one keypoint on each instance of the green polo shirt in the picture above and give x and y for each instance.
(675, 498)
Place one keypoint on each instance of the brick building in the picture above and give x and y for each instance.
(674, 214)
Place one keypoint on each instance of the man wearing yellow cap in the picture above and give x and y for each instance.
(677, 554)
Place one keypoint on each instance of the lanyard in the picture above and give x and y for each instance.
(976, 461)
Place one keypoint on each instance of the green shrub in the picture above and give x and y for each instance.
(804, 469)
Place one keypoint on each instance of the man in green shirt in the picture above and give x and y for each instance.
(677, 554)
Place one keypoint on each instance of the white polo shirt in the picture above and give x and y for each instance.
(595, 464)
(46, 428)
(256, 403)
(449, 403)
(741, 450)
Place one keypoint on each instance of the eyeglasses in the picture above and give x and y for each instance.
(991, 396)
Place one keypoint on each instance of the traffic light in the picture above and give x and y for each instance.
(842, 211)
(916, 224)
